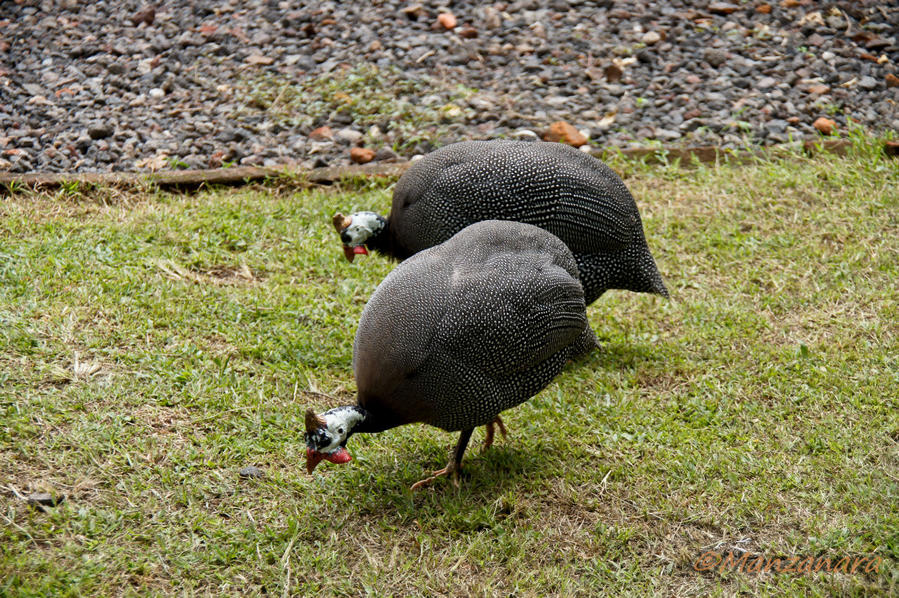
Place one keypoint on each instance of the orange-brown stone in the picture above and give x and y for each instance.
(563, 132)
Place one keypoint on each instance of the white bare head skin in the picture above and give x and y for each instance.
(363, 226)
(339, 423)
(326, 435)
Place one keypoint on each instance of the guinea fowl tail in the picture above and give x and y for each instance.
(586, 343)
(648, 279)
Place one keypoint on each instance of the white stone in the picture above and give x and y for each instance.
(524, 134)
(350, 136)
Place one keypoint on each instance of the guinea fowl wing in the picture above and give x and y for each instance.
(519, 309)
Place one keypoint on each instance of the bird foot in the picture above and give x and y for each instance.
(452, 470)
(488, 440)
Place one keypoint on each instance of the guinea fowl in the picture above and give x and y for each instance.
(554, 186)
(458, 333)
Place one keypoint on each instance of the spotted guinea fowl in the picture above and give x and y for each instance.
(457, 334)
(554, 186)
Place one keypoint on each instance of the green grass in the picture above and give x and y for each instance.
(152, 345)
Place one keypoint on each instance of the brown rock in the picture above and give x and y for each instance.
(563, 132)
(217, 159)
(613, 73)
(145, 16)
(789, 3)
(878, 43)
(447, 20)
(817, 89)
(891, 148)
(723, 8)
(892, 80)
(763, 9)
(322, 134)
(794, 120)
(468, 32)
(694, 113)
(825, 125)
(259, 59)
(361, 155)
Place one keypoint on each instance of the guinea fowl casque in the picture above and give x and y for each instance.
(554, 186)
(458, 333)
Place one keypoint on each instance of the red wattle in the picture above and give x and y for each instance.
(313, 458)
(339, 456)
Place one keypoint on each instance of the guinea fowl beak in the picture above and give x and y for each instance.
(313, 458)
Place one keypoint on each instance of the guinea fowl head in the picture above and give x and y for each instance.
(356, 230)
(326, 435)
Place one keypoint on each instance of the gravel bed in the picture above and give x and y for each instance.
(108, 86)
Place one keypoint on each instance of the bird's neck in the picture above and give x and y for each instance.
(382, 241)
(354, 418)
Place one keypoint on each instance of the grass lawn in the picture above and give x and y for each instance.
(153, 344)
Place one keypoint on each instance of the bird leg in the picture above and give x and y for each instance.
(488, 440)
(454, 467)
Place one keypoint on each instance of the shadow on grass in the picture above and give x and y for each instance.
(485, 477)
(617, 356)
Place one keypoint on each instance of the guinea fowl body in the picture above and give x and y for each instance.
(465, 330)
(477, 325)
(554, 186)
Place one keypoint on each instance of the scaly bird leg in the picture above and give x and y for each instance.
(488, 440)
(455, 465)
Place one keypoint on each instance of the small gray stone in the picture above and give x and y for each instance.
(666, 134)
(250, 471)
(714, 56)
(35, 90)
(651, 37)
(868, 83)
(776, 126)
(766, 82)
(385, 154)
(348, 136)
(44, 499)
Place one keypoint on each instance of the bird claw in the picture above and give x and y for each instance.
(448, 470)
(488, 439)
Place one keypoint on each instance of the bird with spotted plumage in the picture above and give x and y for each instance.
(551, 185)
(457, 334)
